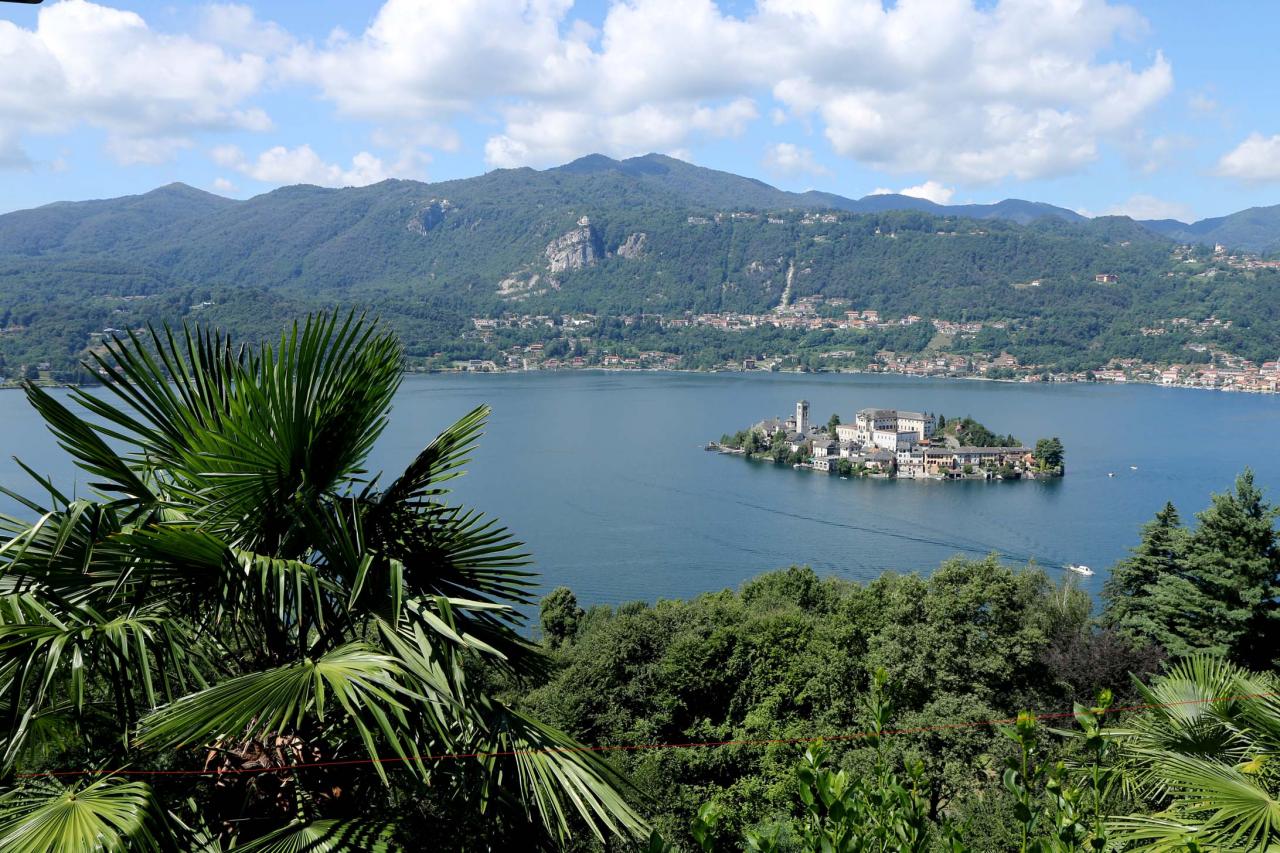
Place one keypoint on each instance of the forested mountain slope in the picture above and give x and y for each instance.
(648, 235)
(1254, 230)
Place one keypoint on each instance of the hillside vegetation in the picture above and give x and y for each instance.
(649, 235)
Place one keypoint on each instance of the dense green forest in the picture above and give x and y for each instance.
(664, 237)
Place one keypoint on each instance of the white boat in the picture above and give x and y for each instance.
(1111, 473)
(1133, 467)
(1080, 569)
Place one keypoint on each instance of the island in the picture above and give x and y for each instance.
(895, 443)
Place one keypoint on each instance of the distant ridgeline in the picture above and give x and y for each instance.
(895, 443)
(608, 259)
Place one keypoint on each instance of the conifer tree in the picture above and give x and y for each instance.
(1235, 558)
(1211, 590)
(1131, 591)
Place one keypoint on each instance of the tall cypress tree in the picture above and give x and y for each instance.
(1131, 591)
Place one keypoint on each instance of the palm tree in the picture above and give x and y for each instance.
(1204, 754)
(240, 596)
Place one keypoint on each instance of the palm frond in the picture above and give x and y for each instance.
(1234, 808)
(458, 553)
(242, 434)
(559, 777)
(1157, 833)
(107, 813)
(90, 450)
(326, 836)
(366, 685)
(136, 656)
(442, 460)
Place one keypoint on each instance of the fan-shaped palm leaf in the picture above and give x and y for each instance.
(102, 814)
(326, 836)
(365, 684)
(1197, 749)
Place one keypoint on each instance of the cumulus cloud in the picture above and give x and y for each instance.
(224, 186)
(301, 165)
(1143, 206)
(128, 150)
(540, 136)
(237, 26)
(105, 67)
(1255, 160)
(12, 154)
(967, 91)
(929, 190)
(786, 158)
(1201, 104)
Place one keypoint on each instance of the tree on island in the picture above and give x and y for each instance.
(1049, 454)
(832, 423)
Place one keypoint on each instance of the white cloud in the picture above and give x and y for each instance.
(929, 190)
(1143, 206)
(148, 150)
(236, 26)
(1255, 160)
(538, 136)
(1201, 104)
(86, 63)
(302, 165)
(785, 158)
(12, 155)
(1150, 156)
(968, 91)
(224, 186)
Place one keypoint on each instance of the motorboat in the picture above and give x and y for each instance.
(1080, 569)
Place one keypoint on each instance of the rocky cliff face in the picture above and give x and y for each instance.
(431, 215)
(634, 246)
(577, 249)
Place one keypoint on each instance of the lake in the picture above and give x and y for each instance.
(603, 475)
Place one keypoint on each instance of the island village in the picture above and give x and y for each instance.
(894, 443)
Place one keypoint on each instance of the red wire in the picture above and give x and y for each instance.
(634, 747)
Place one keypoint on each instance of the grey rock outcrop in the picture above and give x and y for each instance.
(431, 215)
(574, 250)
(634, 246)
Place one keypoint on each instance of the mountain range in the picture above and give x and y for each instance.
(648, 234)
(93, 225)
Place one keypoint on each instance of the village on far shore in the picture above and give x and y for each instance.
(894, 443)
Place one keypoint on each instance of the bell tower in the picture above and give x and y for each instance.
(802, 417)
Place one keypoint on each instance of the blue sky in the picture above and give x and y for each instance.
(1150, 108)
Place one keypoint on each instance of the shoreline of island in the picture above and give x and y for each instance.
(895, 444)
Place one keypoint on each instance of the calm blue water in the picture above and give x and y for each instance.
(603, 475)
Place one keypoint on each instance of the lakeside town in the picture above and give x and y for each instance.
(815, 333)
(894, 443)
(576, 345)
